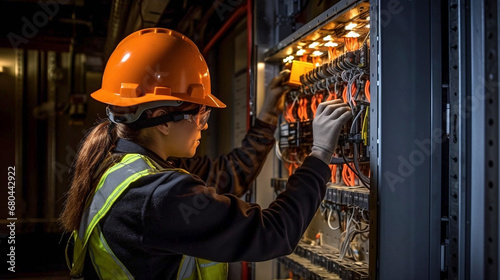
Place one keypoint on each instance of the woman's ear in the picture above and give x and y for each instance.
(163, 128)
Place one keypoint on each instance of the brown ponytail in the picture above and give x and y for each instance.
(94, 152)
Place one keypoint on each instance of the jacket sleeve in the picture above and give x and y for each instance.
(234, 172)
(189, 218)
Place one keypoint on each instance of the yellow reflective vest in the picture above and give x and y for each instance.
(89, 238)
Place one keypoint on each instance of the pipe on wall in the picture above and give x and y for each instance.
(237, 15)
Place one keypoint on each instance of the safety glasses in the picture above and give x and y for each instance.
(198, 116)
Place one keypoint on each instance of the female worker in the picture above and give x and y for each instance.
(139, 205)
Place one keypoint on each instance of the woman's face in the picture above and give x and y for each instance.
(184, 136)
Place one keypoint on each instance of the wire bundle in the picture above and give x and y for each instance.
(352, 228)
(351, 44)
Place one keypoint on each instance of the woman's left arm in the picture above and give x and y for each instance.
(235, 171)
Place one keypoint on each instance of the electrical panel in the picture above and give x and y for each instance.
(329, 61)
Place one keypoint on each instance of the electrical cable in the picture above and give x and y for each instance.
(367, 90)
(360, 175)
(329, 220)
(345, 160)
(366, 37)
(356, 165)
(363, 216)
(344, 246)
(355, 119)
(279, 154)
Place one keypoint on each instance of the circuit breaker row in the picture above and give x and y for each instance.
(335, 194)
(343, 195)
(313, 262)
(296, 134)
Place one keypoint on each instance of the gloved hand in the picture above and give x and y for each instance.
(273, 102)
(330, 117)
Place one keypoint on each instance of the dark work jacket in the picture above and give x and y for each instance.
(166, 215)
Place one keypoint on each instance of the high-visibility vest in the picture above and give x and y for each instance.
(89, 237)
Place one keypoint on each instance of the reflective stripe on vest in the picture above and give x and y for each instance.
(192, 268)
(89, 237)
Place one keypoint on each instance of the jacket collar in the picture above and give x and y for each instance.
(124, 146)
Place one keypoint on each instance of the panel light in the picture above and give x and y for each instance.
(351, 26)
(331, 44)
(352, 34)
(313, 45)
(288, 59)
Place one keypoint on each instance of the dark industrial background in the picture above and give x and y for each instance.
(434, 66)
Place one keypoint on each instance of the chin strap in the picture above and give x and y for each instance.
(144, 122)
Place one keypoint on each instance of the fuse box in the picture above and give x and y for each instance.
(329, 59)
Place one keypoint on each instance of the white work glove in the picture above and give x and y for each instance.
(273, 101)
(330, 117)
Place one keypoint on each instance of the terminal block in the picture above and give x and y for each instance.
(352, 196)
(320, 262)
(296, 134)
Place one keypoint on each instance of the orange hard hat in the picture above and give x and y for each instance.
(156, 65)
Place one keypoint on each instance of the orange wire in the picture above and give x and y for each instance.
(353, 177)
(344, 94)
(319, 99)
(351, 44)
(344, 175)
(333, 168)
(348, 175)
(300, 110)
(367, 90)
(330, 53)
(292, 166)
(314, 105)
(315, 101)
(330, 96)
(353, 93)
(289, 113)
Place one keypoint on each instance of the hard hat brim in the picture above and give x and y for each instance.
(115, 99)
